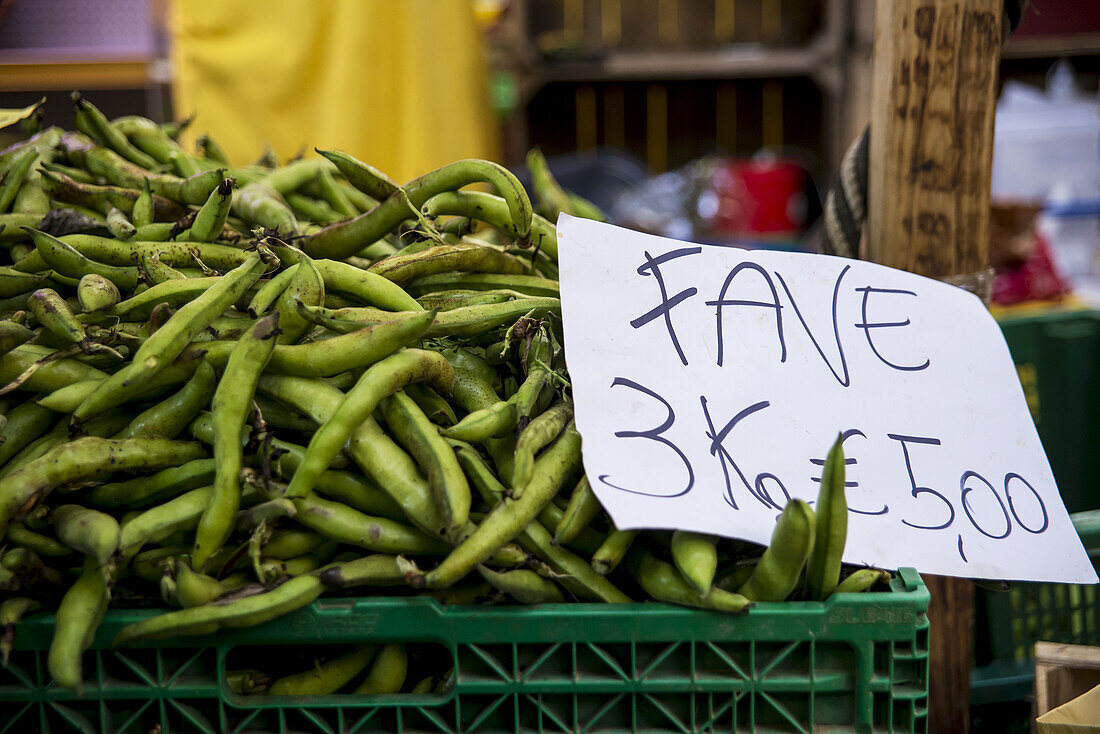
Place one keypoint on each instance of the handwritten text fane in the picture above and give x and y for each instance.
(993, 519)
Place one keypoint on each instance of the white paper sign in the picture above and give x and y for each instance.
(710, 382)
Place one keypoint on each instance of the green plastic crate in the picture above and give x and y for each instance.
(1009, 623)
(1057, 356)
(855, 663)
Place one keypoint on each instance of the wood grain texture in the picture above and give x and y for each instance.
(931, 156)
(932, 106)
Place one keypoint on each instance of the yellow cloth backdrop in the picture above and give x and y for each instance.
(400, 84)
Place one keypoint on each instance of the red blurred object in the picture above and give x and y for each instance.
(760, 197)
(1033, 279)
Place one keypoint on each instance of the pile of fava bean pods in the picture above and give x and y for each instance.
(229, 390)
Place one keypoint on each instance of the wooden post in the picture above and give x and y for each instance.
(931, 158)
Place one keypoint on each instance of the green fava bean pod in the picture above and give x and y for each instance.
(79, 614)
(696, 558)
(96, 293)
(380, 380)
(438, 410)
(861, 580)
(259, 204)
(194, 589)
(498, 419)
(150, 138)
(306, 287)
(493, 210)
(609, 555)
(161, 521)
(831, 532)
(231, 404)
(174, 291)
(169, 417)
(214, 213)
(778, 571)
(174, 254)
(51, 376)
(420, 437)
(157, 272)
(538, 433)
(11, 611)
(118, 225)
(575, 574)
(54, 313)
(525, 586)
(387, 673)
(92, 122)
(84, 459)
(362, 176)
(335, 195)
(582, 509)
(325, 678)
(144, 211)
(13, 282)
(338, 241)
(529, 285)
(147, 490)
(341, 523)
(168, 342)
(191, 190)
(25, 422)
(662, 582)
(14, 177)
(370, 288)
(270, 291)
(378, 569)
(93, 533)
(43, 545)
(245, 612)
(508, 519)
(69, 262)
(446, 259)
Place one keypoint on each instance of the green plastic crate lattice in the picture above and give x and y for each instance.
(856, 663)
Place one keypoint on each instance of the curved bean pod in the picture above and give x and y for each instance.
(252, 610)
(576, 575)
(231, 404)
(369, 287)
(68, 261)
(380, 380)
(160, 349)
(445, 477)
(508, 519)
(777, 573)
(337, 241)
(169, 417)
(387, 673)
(538, 433)
(325, 678)
(93, 533)
(147, 490)
(212, 216)
(662, 582)
(696, 558)
(525, 586)
(83, 459)
(79, 614)
(447, 259)
(831, 532)
(363, 176)
(345, 525)
(583, 507)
